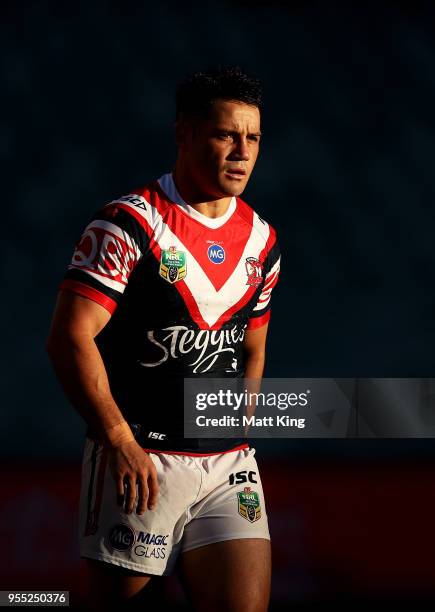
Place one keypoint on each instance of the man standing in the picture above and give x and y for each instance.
(173, 280)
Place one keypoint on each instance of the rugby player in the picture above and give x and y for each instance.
(172, 280)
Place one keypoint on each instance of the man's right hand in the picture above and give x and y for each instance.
(80, 368)
(130, 465)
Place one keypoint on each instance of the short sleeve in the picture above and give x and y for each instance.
(260, 314)
(106, 254)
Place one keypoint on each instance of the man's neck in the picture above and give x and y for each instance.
(208, 207)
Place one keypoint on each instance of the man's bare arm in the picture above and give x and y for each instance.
(80, 369)
(254, 347)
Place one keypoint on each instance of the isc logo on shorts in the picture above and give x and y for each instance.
(121, 537)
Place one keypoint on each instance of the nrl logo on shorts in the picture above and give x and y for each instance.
(254, 271)
(172, 265)
(249, 505)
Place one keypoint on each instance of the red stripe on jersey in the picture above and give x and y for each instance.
(236, 231)
(247, 213)
(142, 222)
(155, 195)
(257, 322)
(229, 313)
(271, 280)
(157, 252)
(90, 293)
(182, 287)
(164, 452)
(269, 244)
(174, 216)
(185, 293)
(267, 289)
(192, 306)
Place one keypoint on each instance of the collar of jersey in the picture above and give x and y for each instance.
(167, 184)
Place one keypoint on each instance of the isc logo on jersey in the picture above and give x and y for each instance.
(216, 254)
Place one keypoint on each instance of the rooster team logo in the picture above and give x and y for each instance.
(254, 271)
(173, 265)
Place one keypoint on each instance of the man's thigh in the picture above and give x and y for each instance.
(111, 585)
(147, 543)
(233, 575)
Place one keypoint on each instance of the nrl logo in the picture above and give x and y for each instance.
(254, 271)
(249, 505)
(173, 265)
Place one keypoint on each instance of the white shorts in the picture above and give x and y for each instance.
(202, 499)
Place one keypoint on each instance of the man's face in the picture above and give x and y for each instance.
(221, 150)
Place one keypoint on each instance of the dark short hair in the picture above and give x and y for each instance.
(197, 92)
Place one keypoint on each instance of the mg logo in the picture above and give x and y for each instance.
(216, 253)
(121, 537)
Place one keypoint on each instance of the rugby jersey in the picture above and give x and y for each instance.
(182, 289)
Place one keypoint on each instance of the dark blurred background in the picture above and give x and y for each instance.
(346, 175)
